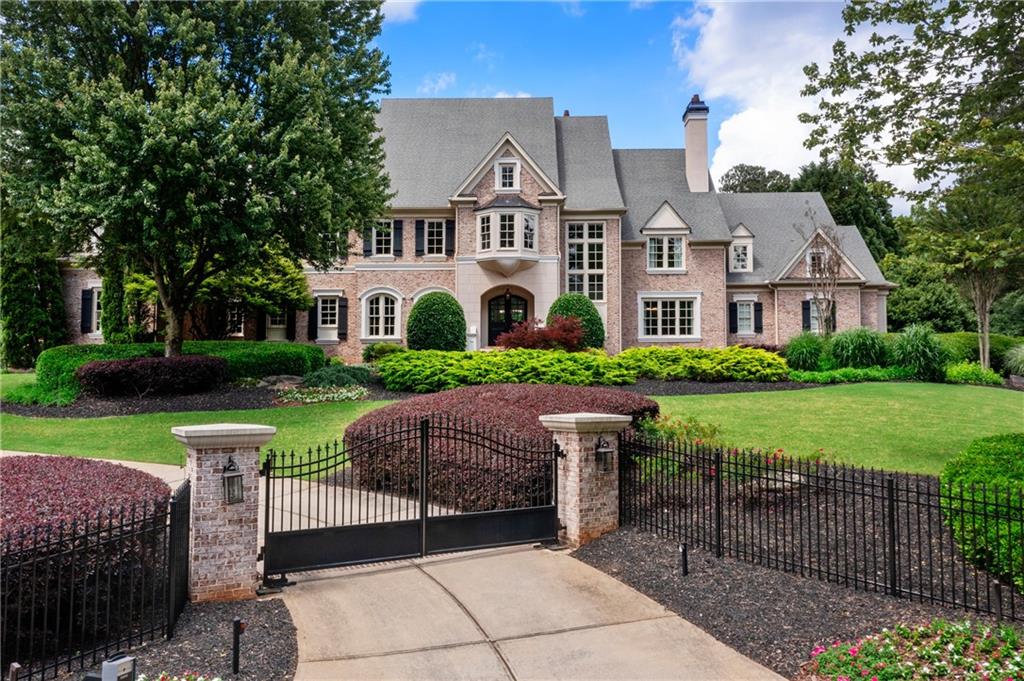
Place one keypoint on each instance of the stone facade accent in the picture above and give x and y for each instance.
(588, 489)
(224, 538)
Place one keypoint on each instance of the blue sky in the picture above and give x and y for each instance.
(637, 62)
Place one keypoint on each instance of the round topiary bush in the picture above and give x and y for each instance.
(859, 348)
(803, 352)
(436, 322)
(989, 474)
(581, 307)
(475, 423)
(918, 349)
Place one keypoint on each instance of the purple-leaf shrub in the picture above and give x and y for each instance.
(182, 375)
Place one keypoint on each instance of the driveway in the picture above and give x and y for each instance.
(515, 613)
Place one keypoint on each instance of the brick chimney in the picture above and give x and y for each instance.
(695, 125)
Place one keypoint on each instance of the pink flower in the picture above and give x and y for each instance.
(818, 650)
(853, 651)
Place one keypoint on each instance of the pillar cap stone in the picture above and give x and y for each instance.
(223, 435)
(586, 422)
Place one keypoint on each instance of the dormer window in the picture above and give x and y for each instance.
(506, 176)
(815, 263)
(741, 258)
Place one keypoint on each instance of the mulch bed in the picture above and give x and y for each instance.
(224, 398)
(202, 643)
(773, 617)
(649, 386)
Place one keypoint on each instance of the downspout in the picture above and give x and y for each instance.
(776, 306)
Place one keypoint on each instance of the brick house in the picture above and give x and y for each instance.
(506, 206)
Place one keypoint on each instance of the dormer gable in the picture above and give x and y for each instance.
(665, 220)
(741, 250)
(508, 161)
(799, 266)
(740, 231)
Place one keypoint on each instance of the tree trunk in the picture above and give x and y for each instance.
(983, 338)
(173, 332)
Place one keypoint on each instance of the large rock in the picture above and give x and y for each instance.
(282, 382)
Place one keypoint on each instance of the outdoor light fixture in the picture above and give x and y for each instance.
(604, 452)
(232, 478)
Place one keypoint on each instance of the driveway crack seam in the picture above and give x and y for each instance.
(490, 641)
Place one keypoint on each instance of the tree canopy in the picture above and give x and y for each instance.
(187, 136)
(743, 178)
(924, 295)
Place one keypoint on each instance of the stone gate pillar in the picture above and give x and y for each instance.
(224, 538)
(588, 472)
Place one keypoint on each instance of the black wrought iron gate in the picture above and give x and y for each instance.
(404, 489)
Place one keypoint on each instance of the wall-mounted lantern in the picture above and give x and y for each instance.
(603, 452)
(232, 478)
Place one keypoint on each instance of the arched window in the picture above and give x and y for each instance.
(381, 315)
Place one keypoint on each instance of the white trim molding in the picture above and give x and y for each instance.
(431, 289)
(364, 317)
(693, 296)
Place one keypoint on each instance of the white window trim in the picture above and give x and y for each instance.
(814, 311)
(97, 327)
(364, 314)
(516, 174)
(518, 236)
(750, 256)
(807, 258)
(241, 308)
(752, 331)
(695, 296)
(586, 271)
(426, 238)
(391, 241)
(320, 312)
(664, 246)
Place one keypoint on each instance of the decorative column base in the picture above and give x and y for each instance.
(588, 473)
(224, 539)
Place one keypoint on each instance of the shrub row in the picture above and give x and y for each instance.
(734, 363)
(337, 376)
(143, 376)
(852, 375)
(993, 467)
(962, 346)
(425, 371)
(56, 367)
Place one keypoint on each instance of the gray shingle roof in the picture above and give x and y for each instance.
(585, 164)
(781, 226)
(649, 177)
(432, 145)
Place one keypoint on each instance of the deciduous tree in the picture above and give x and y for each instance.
(743, 178)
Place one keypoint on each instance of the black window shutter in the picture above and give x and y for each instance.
(758, 318)
(420, 237)
(289, 330)
(834, 304)
(342, 318)
(807, 315)
(86, 310)
(733, 318)
(313, 322)
(396, 238)
(261, 325)
(449, 237)
(368, 243)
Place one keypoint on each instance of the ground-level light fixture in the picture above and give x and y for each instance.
(603, 452)
(232, 478)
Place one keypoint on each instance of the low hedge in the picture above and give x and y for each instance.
(425, 371)
(734, 363)
(962, 346)
(972, 373)
(376, 351)
(184, 375)
(337, 376)
(56, 367)
(852, 375)
(990, 474)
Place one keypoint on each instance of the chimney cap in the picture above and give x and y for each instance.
(696, 105)
(565, 114)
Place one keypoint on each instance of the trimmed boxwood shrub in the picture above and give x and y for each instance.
(990, 473)
(919, 349)
(581, 307)
(467, 470)
(804, 352)
(962, 346)
(734, 363)
(143, 376)
(425, 371)
(374, 351)
(436, 322)
(970, 372)
(336, 376)
(859, 348)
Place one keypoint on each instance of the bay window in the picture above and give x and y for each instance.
(507, 231)
(485, 232)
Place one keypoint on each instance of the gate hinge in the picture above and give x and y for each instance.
(558, 451)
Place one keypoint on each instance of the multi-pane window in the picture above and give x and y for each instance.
(277, 320)
(529, 232)
(745, 317)
(665, 253)
(382, 242)
(485, 232)
(816, 326)
(741, 257)
(669, 317)
(97, 313)
(236, 319)
(506, 176)
(585, 262)
(815, 263)
(380, 316)
(328, 315)
(435, 237)
(507, 230)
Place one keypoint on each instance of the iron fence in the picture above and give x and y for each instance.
(71, 594)
(909, 536)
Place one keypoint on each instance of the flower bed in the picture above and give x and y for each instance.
(937, 650)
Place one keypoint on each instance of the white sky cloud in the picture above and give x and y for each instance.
(436, 83)
(640, 4)
(503, 94)
(398, 11)
(753, 54)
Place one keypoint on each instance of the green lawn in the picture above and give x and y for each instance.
(9, 382)
(914, 427)
(147, 437)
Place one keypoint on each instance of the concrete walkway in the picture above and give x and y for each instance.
(512, 614)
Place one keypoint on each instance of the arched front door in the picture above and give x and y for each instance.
(503, 312)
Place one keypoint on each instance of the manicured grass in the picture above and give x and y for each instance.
(913, 427)
(147, 437)
(9, 382)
